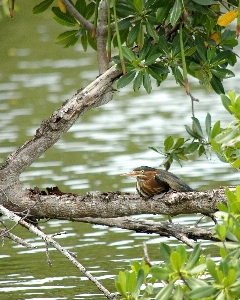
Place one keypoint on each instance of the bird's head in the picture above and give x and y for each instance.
(142, 173)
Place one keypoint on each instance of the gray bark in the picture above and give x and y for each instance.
(50, 131)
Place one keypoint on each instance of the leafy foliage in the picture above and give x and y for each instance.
(225, 142)
(150, 32)
(194, 276)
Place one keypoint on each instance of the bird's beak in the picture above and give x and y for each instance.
(132, 174)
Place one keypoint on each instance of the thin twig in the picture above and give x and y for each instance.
(47, 254)
(182, 237)
(48, 240)
(146, 257)
(72, 10)
(16, 239)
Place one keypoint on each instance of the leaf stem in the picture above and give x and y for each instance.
(184, 67)
(119, 39)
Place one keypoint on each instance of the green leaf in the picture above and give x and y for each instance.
(225, 137)
(182, 251)
(176, 12)
(165, 292)
(140, 279)
(133, 33)
(140, 37)
(222, 232)
(226, 103)
(151, 32)
(201, 150)
(67, 38)
(131, 282)
(231, 277)
(63, 22)
(163, 46)
(158, 68)
(41, 7)
(201, 48)
(194, 66)
(222, 207)
(81, 6)
(191, 148)
(190, 132)
(168, 143)
(222, 73)
(195, 283)
(91, 42)
(145, 49)
(208, 125)
(179, 143)
(163, 11)
(128, 54)
(198, 269)
(165, 252)
(178, 294)
(152, 55)
(215, 146)
(212, 269)
(63, 18)
(121, 283)
(125, 23)
(216, 129)
(125, 80)
(138, 5)
(176, 261)
(200, 293)
(210, 53)
(89, 10)
(159, 273)
(236, 163)
(205, 2)
(221, 58)
(238, 193)
(197, 127)
(147, 82)
(138, 81)
(194, 257)
(216, 84)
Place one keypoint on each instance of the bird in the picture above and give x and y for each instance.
(151, 181)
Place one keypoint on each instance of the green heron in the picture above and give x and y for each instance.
(152, 181)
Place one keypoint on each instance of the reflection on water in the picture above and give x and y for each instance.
(103, 144)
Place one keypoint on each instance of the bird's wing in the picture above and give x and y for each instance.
(174, 182)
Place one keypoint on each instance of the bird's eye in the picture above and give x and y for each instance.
(142, 171)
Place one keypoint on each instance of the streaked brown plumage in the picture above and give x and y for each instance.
(152, 181)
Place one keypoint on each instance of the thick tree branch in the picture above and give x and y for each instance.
(107, 205)
(165, 228)
(71, 9)
(59, 122)
(102, 39)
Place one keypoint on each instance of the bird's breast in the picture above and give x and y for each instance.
(150, 187)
